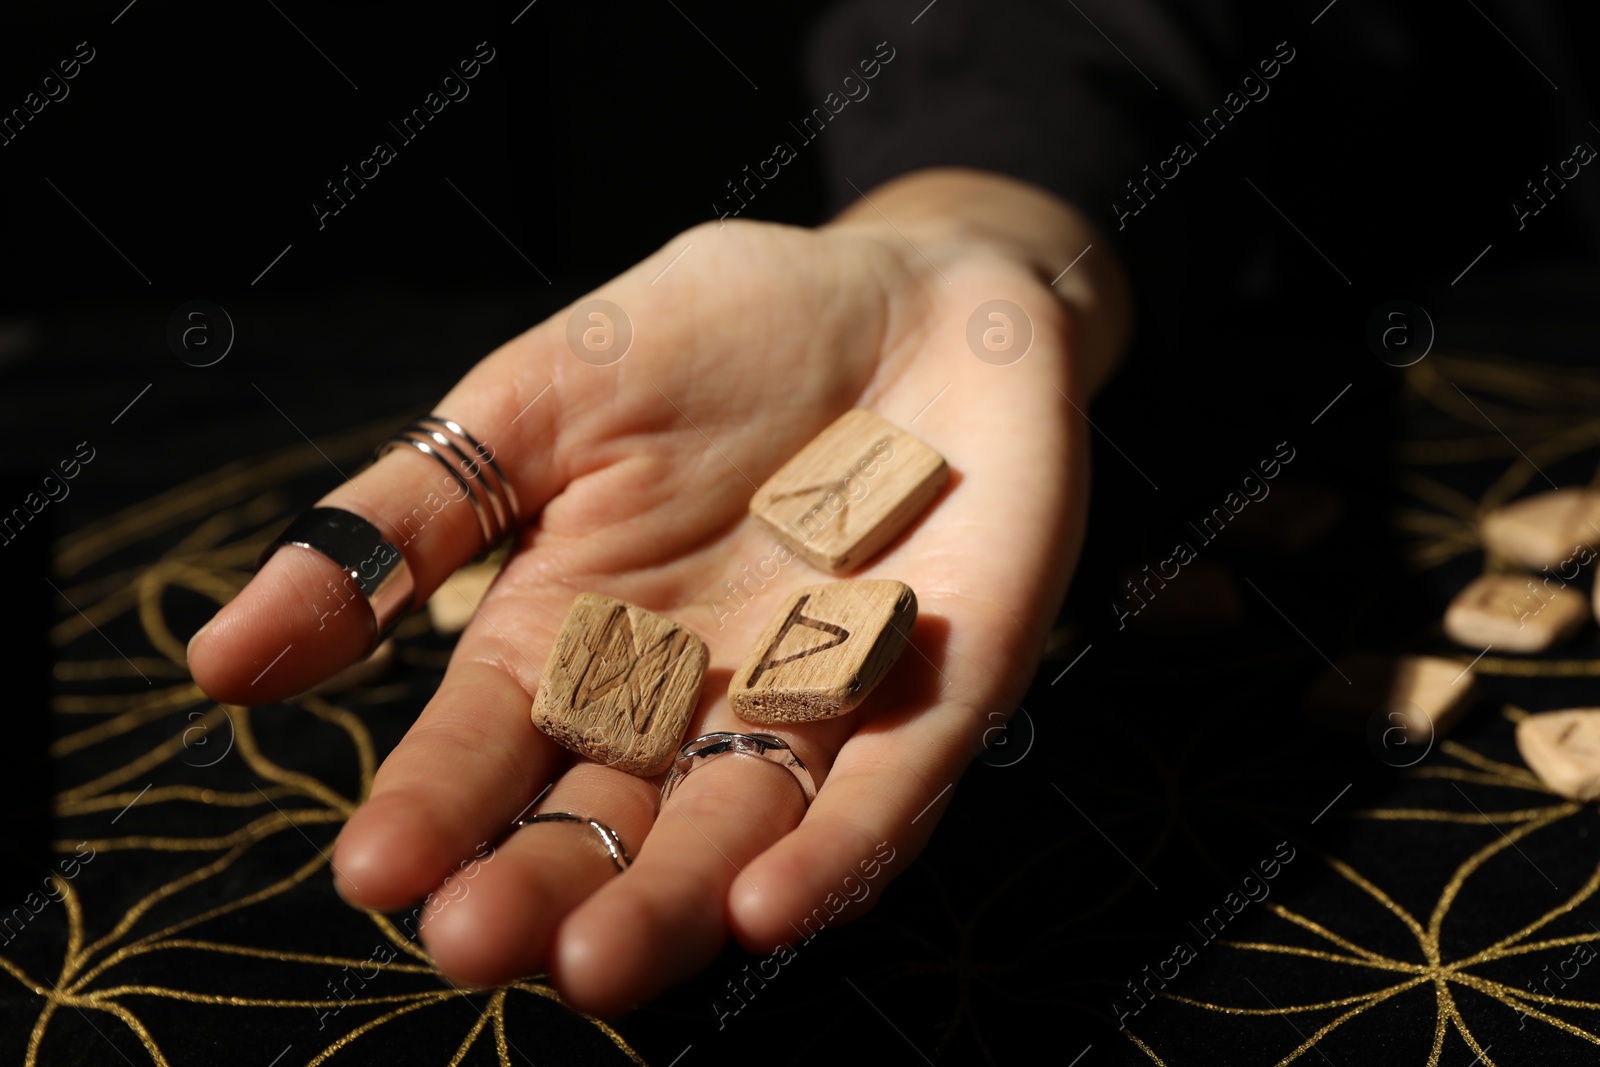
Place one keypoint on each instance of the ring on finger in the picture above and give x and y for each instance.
(472, 465)
(609, 837)
(372, 566)
(766, 746)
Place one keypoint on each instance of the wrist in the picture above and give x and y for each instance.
(950, 213)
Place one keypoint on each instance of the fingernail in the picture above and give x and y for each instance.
(189, 648)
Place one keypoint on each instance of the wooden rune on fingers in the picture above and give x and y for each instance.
(823, 651)
(620, 685)
(851, 491)
(455, 602)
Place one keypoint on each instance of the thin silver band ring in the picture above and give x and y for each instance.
(609, 837)
(493, 500)
(766, 746)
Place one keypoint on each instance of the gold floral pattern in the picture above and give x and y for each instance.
(1479, 949)
(202, 830)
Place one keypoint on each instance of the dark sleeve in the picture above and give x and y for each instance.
(1075, 96)
(1095, 99)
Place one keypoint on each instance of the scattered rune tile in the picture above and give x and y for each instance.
(823, 651)
(620, 685)
(456, 601)
(1421, 696)
(1514, 612)
(1545, 530)
(1563, 749)
(851, 491)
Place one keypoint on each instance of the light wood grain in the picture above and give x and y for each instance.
(1515, 613)
(1563, 749)
(620, 685)
(850, 492)
(1545, 530)
(455, 602)
(823, 651)
(1421, 696)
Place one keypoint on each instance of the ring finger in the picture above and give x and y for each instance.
(666, 917)
(500, 927)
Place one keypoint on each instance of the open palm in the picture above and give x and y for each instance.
(634, 479)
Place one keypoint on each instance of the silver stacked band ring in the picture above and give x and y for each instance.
(766, 746)
(373, 567)
(472, 465)
(608, 837)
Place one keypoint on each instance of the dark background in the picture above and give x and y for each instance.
(197, 138)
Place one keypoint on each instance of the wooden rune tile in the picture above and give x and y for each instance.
(1546, 530)
(1563, 749)
(620, 685)
(1414, 700)
(455, 602)
(823, 651)
(850, 492)
(1515, 613)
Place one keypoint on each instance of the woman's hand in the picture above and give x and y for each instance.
(634, 480)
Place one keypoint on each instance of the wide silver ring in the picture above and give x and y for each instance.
(609, 837)
(709, 746)
(373, 567)
(472, 465)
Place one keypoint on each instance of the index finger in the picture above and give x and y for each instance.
(301, 618)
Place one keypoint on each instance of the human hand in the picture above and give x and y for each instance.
(634, 480)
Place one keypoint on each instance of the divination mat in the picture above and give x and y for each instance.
(1157, 791)
(1439, 906)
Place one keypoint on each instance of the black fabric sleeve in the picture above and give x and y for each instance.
(1075, 96)
(1287, 144)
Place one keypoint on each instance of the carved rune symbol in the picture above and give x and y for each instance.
(840, 636)
(616, 663)
(827, 489)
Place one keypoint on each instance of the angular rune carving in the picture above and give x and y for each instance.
(839, 488)
(850, 492)
(840, 636)
(861, 628)
(617, 663)
(620, 684)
